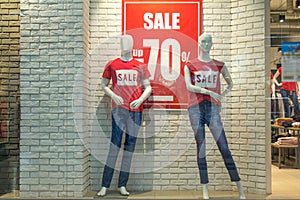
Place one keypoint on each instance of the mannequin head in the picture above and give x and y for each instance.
(126, 47)
(126, 43)
(205, 42)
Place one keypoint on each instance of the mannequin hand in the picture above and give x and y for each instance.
(273, 96)
(136, 103)
(117, 99)
(225, 93)
(216, 96)
(279, 84)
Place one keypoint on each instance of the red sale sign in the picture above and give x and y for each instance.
(165, 37)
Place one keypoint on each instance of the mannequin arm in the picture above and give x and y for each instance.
(228, 80)
(147, 92)
(197, 89)
(117, 99)
(273, 88)
(275, 78)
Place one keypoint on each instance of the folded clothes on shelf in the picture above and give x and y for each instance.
(287, 141)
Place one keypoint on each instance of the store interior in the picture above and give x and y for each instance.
(285, 26)
(285, 23)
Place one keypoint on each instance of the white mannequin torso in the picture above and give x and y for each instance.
(205, 44)
(126, 46)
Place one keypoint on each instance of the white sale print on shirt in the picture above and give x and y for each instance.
(127, 77)
(207, 79)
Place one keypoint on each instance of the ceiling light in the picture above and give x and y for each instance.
(281, 18)
(297, 3)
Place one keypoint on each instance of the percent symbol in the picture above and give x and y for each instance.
(185, 56)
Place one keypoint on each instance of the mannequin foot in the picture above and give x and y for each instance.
(123, 191)
(240, 189)
(242, 197)
(205, 191)
(102, 192)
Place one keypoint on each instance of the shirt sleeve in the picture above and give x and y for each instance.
(146, 72)
(107, 72)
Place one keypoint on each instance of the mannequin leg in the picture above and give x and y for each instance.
(240, 189)
(118, 125)
(294, 99)
(119, 118)
(218, 133)
(205, 191)
(102, 192)
(197, 121)
(217, 130)
(286, 105)
(132, 130)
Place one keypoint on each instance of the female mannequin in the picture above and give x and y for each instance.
(129, 77)
(202, 77)
(287, 90)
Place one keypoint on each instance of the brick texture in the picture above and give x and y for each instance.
(54, 44)
(9, 94)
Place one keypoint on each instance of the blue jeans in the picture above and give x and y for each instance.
(285, 94)
(274, 112)
(209, 113)
(122, 119)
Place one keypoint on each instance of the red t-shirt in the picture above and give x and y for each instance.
(205, 75)
(126, 80)
(287, 85)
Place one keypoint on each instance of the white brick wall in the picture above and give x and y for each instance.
(249, 58)
(53, 160)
